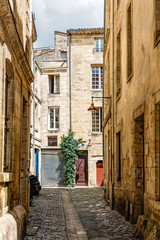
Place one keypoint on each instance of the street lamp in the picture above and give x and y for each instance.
(92, 107)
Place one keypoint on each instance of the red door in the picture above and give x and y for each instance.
(99, 167)
(81, 172)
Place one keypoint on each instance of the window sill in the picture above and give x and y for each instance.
(53, 94)
(96, 90)
(96, 133)
(53, 147)
(53, 130)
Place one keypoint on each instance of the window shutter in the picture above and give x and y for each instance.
(57, 84)
(51, 84)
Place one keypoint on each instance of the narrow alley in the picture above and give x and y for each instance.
(79, 213)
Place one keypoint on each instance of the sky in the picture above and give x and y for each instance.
(61, 15)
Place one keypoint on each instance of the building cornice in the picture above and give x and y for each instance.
(13, 41)
(85, 31)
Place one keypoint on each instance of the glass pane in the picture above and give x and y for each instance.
(51, 84)
(52, 118)
(95, 121)
(56, 117)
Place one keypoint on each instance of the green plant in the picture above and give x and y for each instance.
(69, 147)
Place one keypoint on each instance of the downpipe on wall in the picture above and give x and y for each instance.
(33, 165)
(70, 80)
(112, 102)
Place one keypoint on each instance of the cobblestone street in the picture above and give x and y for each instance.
(79, 213)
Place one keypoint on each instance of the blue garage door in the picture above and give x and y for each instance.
(52, 169)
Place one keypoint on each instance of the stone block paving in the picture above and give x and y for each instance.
(48, 220)
(99, 221)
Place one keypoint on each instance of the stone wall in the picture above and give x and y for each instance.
(50, 63)
(15, 80)
(83, 57)
(136, 114)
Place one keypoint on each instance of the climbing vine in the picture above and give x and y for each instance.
(69, 147)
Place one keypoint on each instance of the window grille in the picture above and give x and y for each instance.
(97, 78)
(97, 121)
(54, 118)
(52, 141)
(99, 43)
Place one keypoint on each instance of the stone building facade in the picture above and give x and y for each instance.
(70, 74)
(132, 116)
(17, 33)
(51, 75)
(85, 69)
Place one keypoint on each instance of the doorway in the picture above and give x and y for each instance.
(37, 163)
(99, 171)
(82, 169)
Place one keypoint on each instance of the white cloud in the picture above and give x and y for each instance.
(60, 15)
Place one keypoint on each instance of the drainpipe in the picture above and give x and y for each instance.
(159, 150)
(33, 153)
(112, 100)
(70, 82)
(103, 70)
(103, 137)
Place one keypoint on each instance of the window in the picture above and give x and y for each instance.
(118, 63)
(54, 84)
(118, 144)
(52, 141)
(97, 78)
(129, 42)
(99, 45)
(54, 118)
(97, 121)
(157, 13)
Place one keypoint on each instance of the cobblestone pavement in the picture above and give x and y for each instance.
(99, 221)
(47, 217)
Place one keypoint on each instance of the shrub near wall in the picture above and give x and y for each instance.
(69, 147)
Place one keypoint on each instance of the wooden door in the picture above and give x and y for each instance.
(99, 167)
(81, 179)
